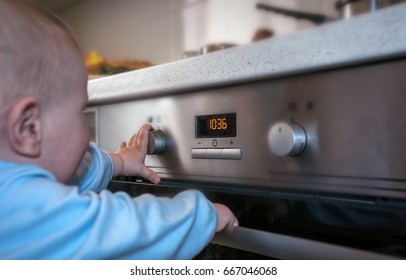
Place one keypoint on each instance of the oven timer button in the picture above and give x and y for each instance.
(156, 142)
(287, 139)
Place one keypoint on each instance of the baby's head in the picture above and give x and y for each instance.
(43, 90)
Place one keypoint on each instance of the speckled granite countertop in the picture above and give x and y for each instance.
(371, 37)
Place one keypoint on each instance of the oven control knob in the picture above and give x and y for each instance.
(287, 139)
(156, 142)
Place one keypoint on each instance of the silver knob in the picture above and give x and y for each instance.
(287, 139)
(156, 142)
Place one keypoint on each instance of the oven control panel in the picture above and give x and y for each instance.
(313, 131)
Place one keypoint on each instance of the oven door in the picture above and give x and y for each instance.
(286, 226)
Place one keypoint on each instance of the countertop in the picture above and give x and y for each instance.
(370, 37)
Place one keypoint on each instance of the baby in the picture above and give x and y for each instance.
(52, 199)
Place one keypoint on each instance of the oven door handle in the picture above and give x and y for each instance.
(280, 246)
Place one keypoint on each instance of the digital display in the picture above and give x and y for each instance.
(216, 126)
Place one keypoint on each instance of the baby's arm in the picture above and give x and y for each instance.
(129, 159)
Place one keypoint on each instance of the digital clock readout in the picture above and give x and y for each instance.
(216, 126)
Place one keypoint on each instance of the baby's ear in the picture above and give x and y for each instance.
(24, 127)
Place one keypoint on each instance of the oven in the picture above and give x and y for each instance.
(312, 160)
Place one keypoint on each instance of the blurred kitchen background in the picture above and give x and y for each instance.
(150, 32)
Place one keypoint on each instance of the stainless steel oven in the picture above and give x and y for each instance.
(312, 162)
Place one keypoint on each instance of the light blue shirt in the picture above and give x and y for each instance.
(41, 218)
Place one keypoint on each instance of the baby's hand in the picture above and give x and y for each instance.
(224, 217)
(130, 157)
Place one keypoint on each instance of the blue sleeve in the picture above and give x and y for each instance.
(94, 172)
(42, 219)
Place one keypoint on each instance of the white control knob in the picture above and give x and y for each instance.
(156, 142)
(287, 139)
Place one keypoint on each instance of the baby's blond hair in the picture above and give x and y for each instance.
(34, 48)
